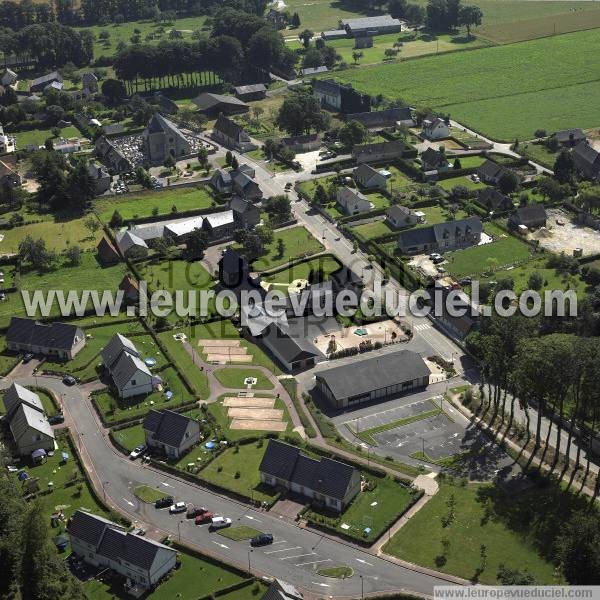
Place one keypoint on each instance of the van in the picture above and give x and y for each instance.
(219, 523)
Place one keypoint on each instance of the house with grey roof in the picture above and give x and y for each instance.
(293, 353)
(378, 25)
(130, 288)
(169, 433)
(100, 176)
(129, 242)
(569, 138)
(111, 155)
(281, 590)
(57, 340)
(324, 482)
(351, 201)
(441, 237)
(388, 117)
(369, 178)
(435, 129)
(218, 104)
(9, 177)
(302, 143)
(531, 216)
(434, 160)
(233, 268)
(378, 152)
(245, 214)
(372, 379)
(178, 231)
(107, 254)
(163, 139)
(308, 71)
(16, 395)
(41, 83)
(243, 183)
(493, 200)
(232, 135)
(89, 81)
(247, 93)
(128, 372)
(587, 161)
(399, 217)
(490, 172)
(219, 225)
(102, 543)
(8, 78)
(221, 181)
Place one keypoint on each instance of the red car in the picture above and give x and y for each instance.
(195, 511)
(204, 518)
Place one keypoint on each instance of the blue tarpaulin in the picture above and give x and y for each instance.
(169, 395)
(38, 453)
(22, 476)
(65, 457)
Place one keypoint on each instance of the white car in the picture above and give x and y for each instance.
(220, 522)
(178, 507)
(137, 452)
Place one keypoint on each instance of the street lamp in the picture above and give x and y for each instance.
(249, 566)
(362, 587)
(104, 483)
(179, 530)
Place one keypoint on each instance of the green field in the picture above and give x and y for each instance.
(326, 264)
(372, 230)
(234, 378)
(462, 181)
(507, 541)
(142, 204)
(550, 81)
(39, 136)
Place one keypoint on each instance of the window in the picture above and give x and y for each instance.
(133, 382)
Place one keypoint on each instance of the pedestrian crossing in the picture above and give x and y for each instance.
(422, 327)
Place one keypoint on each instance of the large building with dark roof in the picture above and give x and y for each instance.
(441, 237)
(163, 139)
(325, 482)
(293, 353)
(58, 340)
(372, 380)
(170, 433)
(102, 543)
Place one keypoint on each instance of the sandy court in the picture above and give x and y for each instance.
(258, 414)
(225, 358)
(249, 402)
(250, 424)
(221, 350)
(218, 343)
(225, 351)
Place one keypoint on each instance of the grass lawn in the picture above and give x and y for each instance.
(8, 359)
(59, 232)
(194, 578)
(327, 264)
(476, 522)
(142, 204)
(309, 186)
(239, 533)
(273, 165)
(86, 276)
(377, 509)
(463, 181)
(250, 592)
(336, 572)
(297, 243)
(39, 136)
(539, 153)
(506, 77)
(130, 437)
(469, 162)
(234, 378)
(438, 214)
(505, 251)
(147, 494)
(373, 230)
(238, 471)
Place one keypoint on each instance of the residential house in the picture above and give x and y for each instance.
(435, 129)
(213, 105)
(170, 433)
(587, 161)
(111, 155)
(243, 183)
(219, 225)
(441, 237)
(39, 84)
(325, 482)
(378, 152)
(491, 172)
(302, 143)
(372, 25)
(351, 201)
(56, 86)
(9, 78)
(248, 93)
(56, 340)
(233, 268)
(7, 142)
(293, 353)
(100, 177)
(334, 34)
(457, 325)
(245, 214)
(129, 373)
(162, 139)
(313, 70)
(493, 200)
(89, 82)
(131, 244)
(530, 216)
(107, 253)
(130, 288)
(341, 97)
(69, 146)
(368, 178)
(230, 134)
(281, 590)
(8, 175)
(399, 217)
(373, 379)
(221, 181)
(178, 231)
(106, 545)
(434, 160)
(16, 395)
(569, 138)
(379, 119)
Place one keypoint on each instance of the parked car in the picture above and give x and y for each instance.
(206, 517)
(140, 531)
(178, 507)
(434, 255)
(465, 281)
(264, 539)
(137, 451)
(219, 523)
(164, 502)
(437, 260)
(195, 511)
(69, 380)
(27, 357)
(56, 419)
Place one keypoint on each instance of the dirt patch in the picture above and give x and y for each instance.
(218, 343)
(220, 350)
(229, 358)
(251, 424)
(249, 402)
(260, 414)
(225, 351)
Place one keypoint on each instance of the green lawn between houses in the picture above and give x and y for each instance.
(483, 515)
(373, 230)
(142, 204)
(326, 264)
(234, 378)
(39, 136)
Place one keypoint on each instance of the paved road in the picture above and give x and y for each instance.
(294, 557)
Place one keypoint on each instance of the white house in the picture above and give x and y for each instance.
(102, 543)
(130, 375)
(369, 178)
(351, 201)
(435, 129)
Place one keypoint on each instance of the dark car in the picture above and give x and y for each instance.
(27, 357)
(56, 419)
(195, 511)
(164, 502)
(69, 380)
(264, 539)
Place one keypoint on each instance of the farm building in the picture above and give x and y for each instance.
(372, 25)
(216, 104)
(247, 93)
(232, 135)
(378, 152)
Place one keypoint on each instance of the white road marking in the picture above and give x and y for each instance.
(313, 562)
(284, 550)
(364, 562)
(298, 556)
(221, 545)
(278, 542)
(130, 503)
(321, 584)
(253, 518)
(165, 484)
